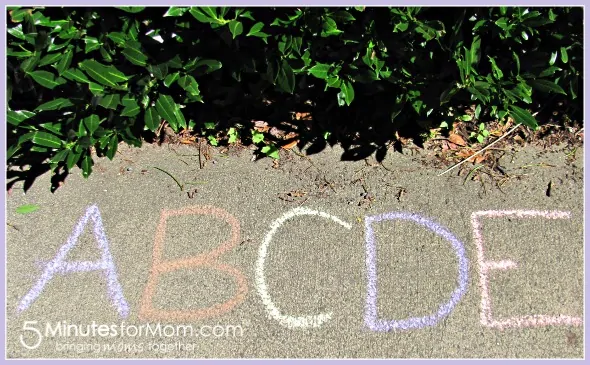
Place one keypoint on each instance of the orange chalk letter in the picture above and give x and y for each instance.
(204, 260)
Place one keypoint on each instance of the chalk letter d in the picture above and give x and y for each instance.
(371, 319)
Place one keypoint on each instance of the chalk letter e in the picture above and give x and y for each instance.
(535, 320)
(206, 260)
(59, 266)
(371, 319)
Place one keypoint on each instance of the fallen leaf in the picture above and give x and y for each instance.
(275, 132)
(291, 135)
(302, 116)
(457, 139)
(464, 153)
(290, 145)
(480, 158)
(261, 126)
(27, 208)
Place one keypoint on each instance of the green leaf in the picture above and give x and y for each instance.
(110, 101)
(27, 208)
(480, 93)
(112, 145)
(285, 77)
(474, 52)
(15, 117)
(133, 54)
(169, 80)
(131, 109)
(166, 109)
(522, 116)
(59, 157)
(91, 44)
(91, 123)
(151, 119)
(52, 127)
(546, 86)
(255, 29)
(212, 140)
(553, 58)
(502, 23)
(131, 9)
(95, 89)
(343, 16)
(550, 71)
(86, 166)
(175, 11)
(212, 65)
(320, 70)
(257, 137)
(233, 135)
(189, 84)
(498, 74)
(65, 62)
(446, 95)
(236, 28)
(72, 159)
(46, 140)
(118, 38)
(30, 63)
(55, 104)
(49, 59)
(46, 79)
(270, 151)
(200, 15)
(17, 32)
(517, 60)
(564, 57)
(74, 74)
(159, 71)
(180, 117)
(346, 93)
(105, 75)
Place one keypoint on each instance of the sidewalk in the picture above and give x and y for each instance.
(300, 261)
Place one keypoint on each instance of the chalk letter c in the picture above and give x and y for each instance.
(273, 311)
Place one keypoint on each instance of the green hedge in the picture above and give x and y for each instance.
(82, 78)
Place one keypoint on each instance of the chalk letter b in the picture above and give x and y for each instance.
(206, 260)
(371, 318)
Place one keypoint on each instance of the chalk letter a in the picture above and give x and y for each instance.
(59, 266)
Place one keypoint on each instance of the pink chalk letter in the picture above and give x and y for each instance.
(59, 266)
(535, 320)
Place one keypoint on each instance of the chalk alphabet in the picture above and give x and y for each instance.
(371, 317)
(485, 266)
(105, 265)
(207, 260)
(272, 310)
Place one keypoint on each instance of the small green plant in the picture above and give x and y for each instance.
(481, 134)
(232, 135)
(27, 208)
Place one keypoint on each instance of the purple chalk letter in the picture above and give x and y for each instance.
(371, 319)
(105, 265)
